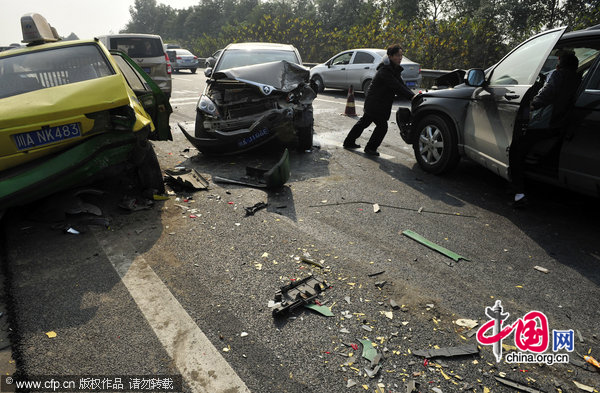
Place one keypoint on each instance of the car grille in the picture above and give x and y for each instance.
(248, 109)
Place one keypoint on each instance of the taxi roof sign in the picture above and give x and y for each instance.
(36, 29)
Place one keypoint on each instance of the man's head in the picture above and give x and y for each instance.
(394, 52)
(568, 61)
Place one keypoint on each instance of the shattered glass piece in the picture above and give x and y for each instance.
(350, 383)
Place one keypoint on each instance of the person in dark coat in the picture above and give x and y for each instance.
(386, 84)
(560, 92)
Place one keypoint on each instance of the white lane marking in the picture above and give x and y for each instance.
(199, 362)
(338, 102)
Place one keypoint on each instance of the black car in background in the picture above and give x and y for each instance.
(477, 119)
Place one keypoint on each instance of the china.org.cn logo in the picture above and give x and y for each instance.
(531, 336)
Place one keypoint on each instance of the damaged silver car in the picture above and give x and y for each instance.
(256, 93)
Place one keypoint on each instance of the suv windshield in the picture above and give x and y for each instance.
(138, 46)
(32, 71)
(232, 58)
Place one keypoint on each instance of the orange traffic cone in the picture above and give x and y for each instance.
(350, 109)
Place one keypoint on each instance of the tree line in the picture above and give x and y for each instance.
(438, 34)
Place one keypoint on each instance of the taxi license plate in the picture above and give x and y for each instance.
(47, 135)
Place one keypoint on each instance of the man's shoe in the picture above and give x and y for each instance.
(351, 146)
(370, 152)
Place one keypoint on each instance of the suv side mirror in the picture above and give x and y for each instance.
(207, 72)
(475, 77)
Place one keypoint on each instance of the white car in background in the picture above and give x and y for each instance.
(357, 67)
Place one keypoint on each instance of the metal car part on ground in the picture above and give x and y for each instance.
(72, 112)
(245, 107)
(297, 294)
(478, 119)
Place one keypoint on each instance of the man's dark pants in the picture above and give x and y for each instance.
(381, 127)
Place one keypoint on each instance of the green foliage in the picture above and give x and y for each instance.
(439, 34)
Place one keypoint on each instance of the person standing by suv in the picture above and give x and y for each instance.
(386, 84)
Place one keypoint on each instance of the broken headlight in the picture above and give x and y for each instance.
(207, 106)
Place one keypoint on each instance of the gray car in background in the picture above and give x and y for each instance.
(357, 67)
(183, 59)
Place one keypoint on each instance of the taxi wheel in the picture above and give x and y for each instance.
(436, 148)
(149, 172)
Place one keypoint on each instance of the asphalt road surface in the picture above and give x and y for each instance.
(183, 288)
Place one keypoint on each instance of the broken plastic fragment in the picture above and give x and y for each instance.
(582, 386)
(51, 334)
(519, 386)
(376, 208)
(468, 323)
(344, 330)
(72, 231)
(372, 373)
(541, 269)
(448, 351)
(415, 236)
(369, 352)
(388, 314)
(350, 383)
(250, 211)
(323, 310)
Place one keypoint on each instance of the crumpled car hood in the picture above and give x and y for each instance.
(278, 75)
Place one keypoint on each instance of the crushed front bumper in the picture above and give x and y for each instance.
(275, 123)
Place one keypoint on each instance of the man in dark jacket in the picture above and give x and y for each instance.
(386, 84)
(559, 91)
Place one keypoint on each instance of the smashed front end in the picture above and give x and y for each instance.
(245, 107)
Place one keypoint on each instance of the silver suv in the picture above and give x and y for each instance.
(147, 51)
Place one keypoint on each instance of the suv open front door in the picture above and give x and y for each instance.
(152, 98)
(492, 112)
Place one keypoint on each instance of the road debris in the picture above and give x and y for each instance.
(51, 334)
(376, 208)
(541, 269)
(411, 386)
(181, 178)
(350, 383)
(469, 349)
(307, 259)
(296, 294)
(323, 310)
(273, 178)
(369, 352)
(380, 284)
(376, 273)
(583, 387)
(518, 386)
(450, 254)
(250, 211)
(592, 361)
(468, 323)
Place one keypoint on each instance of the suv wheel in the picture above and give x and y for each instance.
(436, 148)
